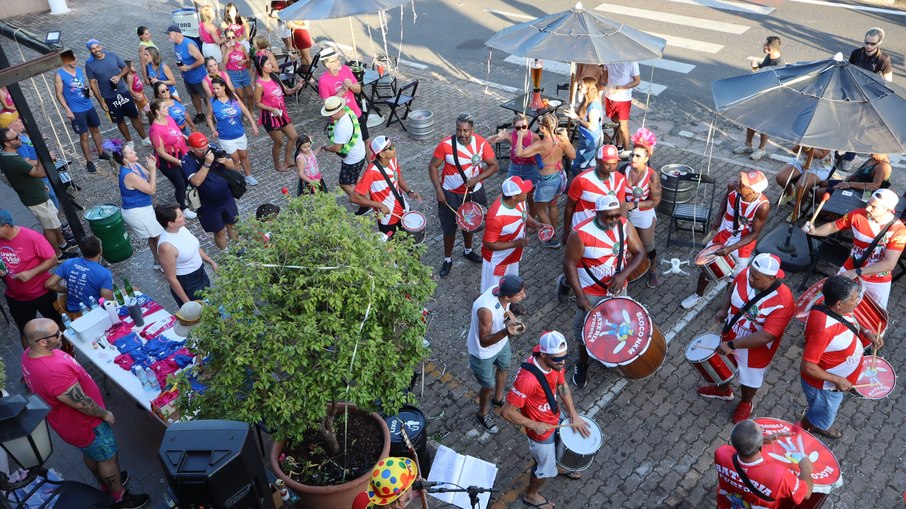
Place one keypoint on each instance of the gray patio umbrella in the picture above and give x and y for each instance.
(329, 9)
(828, 104)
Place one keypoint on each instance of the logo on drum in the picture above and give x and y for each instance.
(621, 331)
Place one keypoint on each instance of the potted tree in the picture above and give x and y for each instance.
(311, 316)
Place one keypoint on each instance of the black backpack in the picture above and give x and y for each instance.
(234, 179)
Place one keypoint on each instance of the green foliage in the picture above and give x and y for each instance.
(291, 341)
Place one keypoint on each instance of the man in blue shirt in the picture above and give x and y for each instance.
(83, 277)
(190, 62)
(73, 94)
(218, 211)
(105, 73)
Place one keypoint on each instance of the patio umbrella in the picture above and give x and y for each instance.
(828, 104)
(330, 9)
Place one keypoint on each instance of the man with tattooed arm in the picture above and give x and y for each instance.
(77, 411)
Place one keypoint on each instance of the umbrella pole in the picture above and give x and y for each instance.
(572, 84)
(648, 97)
(355, 50)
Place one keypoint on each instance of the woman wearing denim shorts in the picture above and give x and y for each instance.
(237, 67)
(525, 168)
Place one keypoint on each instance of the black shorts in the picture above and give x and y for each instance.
(119, 107)
(24, 311)
(448, 217)
(195, 88)
(85, 119)
(349, 173)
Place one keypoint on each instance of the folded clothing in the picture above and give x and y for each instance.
(128, 343)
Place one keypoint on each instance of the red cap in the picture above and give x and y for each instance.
(198, 140)
(609, 153)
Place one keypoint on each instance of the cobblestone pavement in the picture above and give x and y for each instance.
(659, 436)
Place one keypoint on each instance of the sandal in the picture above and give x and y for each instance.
(497, 402)
(281, 168)
(832, 432)
(541, 505)
(574, 476)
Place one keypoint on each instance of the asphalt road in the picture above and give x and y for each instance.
(707, 39)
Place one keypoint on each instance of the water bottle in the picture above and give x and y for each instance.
(67, 323)
(94, 302)
(83, 308)
(153, 384)
(139, 373)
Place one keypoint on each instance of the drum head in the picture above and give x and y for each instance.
(578, 444)
(808, 299)
(414, 221)
(707, 254)
(826, 473)
(617, 331)
(546, 232)
(702, 347)
(469, 216)
(882, 375)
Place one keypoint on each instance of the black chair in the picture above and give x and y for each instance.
(386, 86)
(404, 97)
(499, 151)
(563, 87)
(696, 211)
(307, 74)
(832, 250)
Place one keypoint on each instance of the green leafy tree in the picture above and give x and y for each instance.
(324, 311)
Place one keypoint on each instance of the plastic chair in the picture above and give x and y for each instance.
(696, 212)
(404, 97)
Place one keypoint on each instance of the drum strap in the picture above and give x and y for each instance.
(874, 243)
(542, 381)
(748, 305)
(396, 192)
(458, 165)
(745, 480)
(836, 316)
(736, 212)
(619, 259)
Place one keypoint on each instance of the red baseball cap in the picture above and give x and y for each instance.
(515, 185)
(198, 140)
(609, 153)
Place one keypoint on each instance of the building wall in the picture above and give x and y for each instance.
(18, 7)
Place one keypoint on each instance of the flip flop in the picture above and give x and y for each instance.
(570, 475)
(542, 505)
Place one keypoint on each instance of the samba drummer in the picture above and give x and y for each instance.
(832, 356)
(643, 194)
(879, 233)
(382, 186)
(756, 311)
(504, 236)
(596, 266)
(743, 214)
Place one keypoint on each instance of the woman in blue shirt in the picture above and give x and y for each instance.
(137, 188)
(228, 111)
(588, 117)
(158, 71)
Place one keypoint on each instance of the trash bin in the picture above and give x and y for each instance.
(186, 20)
(106, 222)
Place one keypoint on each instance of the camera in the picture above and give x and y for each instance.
(86, 92)
(218, 152)
(179, 63)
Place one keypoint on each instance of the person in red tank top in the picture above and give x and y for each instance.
(736, 229)
(594, 249)
(752, 333)
(643, 194)
(773, 479)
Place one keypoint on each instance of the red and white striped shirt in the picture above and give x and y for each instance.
(641, 191)
(599, 254)
(833, 347)
(864, 231)
(588, 187)
(503, 224)
(373, 185)
(470, 157)
(747, 210)
(771, 314)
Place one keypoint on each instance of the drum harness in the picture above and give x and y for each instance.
(748, 305)
(857, 264)
(836, 316)
(745, 479)
(462, 174)
(542, 381)
(396, 193)
(619, 260)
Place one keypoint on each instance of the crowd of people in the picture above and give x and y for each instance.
(607, 230)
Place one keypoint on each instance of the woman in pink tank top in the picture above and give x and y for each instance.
(270, 99)
(209, 34)
(214, 71)
(237, 67)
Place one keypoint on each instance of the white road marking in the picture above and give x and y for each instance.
(563, 69)
(505, 88)
(690, 44)
(726, 5)
(864, 8)
(669, 65)
(677, 19)
(513, 15)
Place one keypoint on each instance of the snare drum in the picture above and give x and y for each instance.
(619, 333)
(715, 367)
(714, 266)
(414, 223)
(470, 216)
(826, 473)
(546, 232)
(575, 453)
(877, 382)
(868, 313)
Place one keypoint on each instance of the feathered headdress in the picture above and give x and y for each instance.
(644, 138)
(114, 145)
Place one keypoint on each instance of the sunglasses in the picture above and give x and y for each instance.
(561, 358)
(57, 335)
(231, 38)
(872, 43)
(520, 127)
(389, 146)
(638, 156)
(612, 216)
(16, 137)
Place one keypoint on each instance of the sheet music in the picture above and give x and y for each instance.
(452, 467)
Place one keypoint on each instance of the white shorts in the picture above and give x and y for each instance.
(488, 279)
(230, 146)
(545, 456)
(741, 263)
(142, 222)
(212, 50)
(47, 215)
(642, 218)
(750, 377)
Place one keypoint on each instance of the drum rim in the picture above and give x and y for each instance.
(641, 352)
(462, 223)
(835, 484)
(710, 255)
(592, 424)
(696, 338)
(892, 387)
(414, 213)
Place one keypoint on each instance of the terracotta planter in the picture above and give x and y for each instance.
(331, 497)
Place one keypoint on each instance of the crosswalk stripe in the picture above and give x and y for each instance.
(727, 5)
(690, 44)
(563, 69)
(514, 15)
(660, 63)
(677, 19)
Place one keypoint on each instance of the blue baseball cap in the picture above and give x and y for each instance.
(6, 218)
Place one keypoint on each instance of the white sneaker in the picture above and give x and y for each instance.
(189, 214)
(157, 267)
(130, 144)
(744, 149)
(625, 154)
(690, 301)
(757, 154)
(250, 180)
(146, 142)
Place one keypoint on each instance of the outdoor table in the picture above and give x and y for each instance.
(520, 104)
(370, 79)
(844, 201)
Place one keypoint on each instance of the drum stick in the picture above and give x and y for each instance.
(866, 385)
(874, 349)
(820, 206)
(569, 425)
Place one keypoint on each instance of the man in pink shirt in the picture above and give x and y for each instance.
(77, 411)
(339, 81)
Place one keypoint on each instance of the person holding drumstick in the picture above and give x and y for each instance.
(742, 215)
(756, 311)
(532, 403)
(832, 357)
(745, 478)
(879, 238)
(504, 236)
(382, 186)
(596, 266)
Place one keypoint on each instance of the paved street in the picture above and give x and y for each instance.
(659, 436)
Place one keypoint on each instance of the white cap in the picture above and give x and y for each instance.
(379, 143)
(515, 185)
(768, 264)
(552, 343)
(887, 198)
(607, 202)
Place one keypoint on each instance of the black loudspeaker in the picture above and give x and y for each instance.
(215, 464)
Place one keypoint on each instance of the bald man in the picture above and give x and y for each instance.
(77, 411)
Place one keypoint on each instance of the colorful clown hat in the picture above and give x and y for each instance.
(390, 478)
